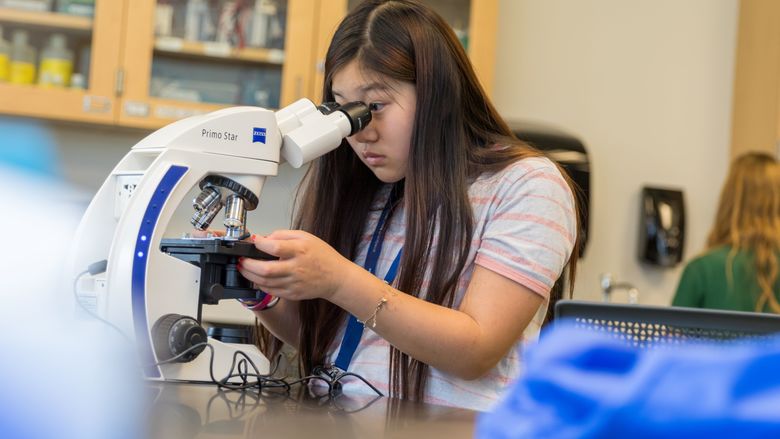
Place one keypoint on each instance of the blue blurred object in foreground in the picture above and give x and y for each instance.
(583, 384)
(60, 376)
(27, 146)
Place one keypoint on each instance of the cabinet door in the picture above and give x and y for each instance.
(755, 123)
(474, 21)
(41, 79)
(188, 57)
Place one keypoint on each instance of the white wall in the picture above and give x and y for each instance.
(647, 86)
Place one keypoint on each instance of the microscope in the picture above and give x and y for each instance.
(151, 287)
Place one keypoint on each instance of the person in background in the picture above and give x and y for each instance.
(739, 268)
(486, 224)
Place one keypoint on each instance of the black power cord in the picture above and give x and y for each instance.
(239, 368)
(93, 269)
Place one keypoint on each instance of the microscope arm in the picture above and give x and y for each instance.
(227, 154)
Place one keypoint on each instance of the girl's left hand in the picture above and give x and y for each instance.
(307, 268)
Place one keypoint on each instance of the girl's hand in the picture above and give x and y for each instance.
(307, 268)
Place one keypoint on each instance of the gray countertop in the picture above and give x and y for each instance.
(204, 411)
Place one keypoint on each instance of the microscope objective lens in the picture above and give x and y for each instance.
(235, 212)
(201, 219)
(207, 197)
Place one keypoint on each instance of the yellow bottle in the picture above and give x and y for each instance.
(22, 70)
(56, 63)
(5, 57)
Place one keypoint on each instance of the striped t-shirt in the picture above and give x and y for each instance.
(525, 228)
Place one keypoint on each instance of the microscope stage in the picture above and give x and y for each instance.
(182, 248)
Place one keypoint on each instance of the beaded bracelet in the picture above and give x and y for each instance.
(267, 302)
(371, 321)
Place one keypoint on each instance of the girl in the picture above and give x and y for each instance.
(739, 269)
(433, 227)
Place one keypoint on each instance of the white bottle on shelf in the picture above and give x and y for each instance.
(77, 81)
(22, 69)
(197, 25)
(263, 10)
(56, 63)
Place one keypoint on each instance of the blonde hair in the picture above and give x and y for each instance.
(748, 219)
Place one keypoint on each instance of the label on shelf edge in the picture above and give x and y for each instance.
(137, 109)
(217, 49)
(276, 56)
(172, 44)
(96, 104)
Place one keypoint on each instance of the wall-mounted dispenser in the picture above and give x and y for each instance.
(662, 227)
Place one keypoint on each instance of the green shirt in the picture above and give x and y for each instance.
(704, 284)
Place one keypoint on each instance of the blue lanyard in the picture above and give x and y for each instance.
(354, 328)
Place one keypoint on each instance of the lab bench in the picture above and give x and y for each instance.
(181, 411)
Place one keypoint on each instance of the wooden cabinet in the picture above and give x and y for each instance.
(756, 106)
(474, 21)
(146, 69)
(92, 39)
(176, 71)
(148, 63)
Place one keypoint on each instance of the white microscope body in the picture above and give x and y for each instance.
(126, 219)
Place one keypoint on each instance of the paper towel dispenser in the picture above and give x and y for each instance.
(662, 226)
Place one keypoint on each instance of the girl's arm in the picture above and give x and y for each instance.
(466, 342)
(282, 320)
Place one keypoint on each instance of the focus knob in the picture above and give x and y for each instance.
(173, 334)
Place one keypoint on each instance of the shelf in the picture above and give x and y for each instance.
(197, 49)
(46, 19)
(154, 113)
(72, 104)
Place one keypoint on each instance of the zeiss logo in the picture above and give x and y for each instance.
(258, 135)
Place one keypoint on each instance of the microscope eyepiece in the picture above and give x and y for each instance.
(358, 113)
(328, 107)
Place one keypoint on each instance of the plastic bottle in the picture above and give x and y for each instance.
(258, 36)
(196, 20)
(22, 69)
(56, 63)
(77, 81)
(5, 57)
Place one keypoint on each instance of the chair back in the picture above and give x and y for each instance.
(653, 326)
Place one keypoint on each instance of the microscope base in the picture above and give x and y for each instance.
(197, 370)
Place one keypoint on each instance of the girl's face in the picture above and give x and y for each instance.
(384, 144)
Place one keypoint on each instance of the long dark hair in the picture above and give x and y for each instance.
(457, 135)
